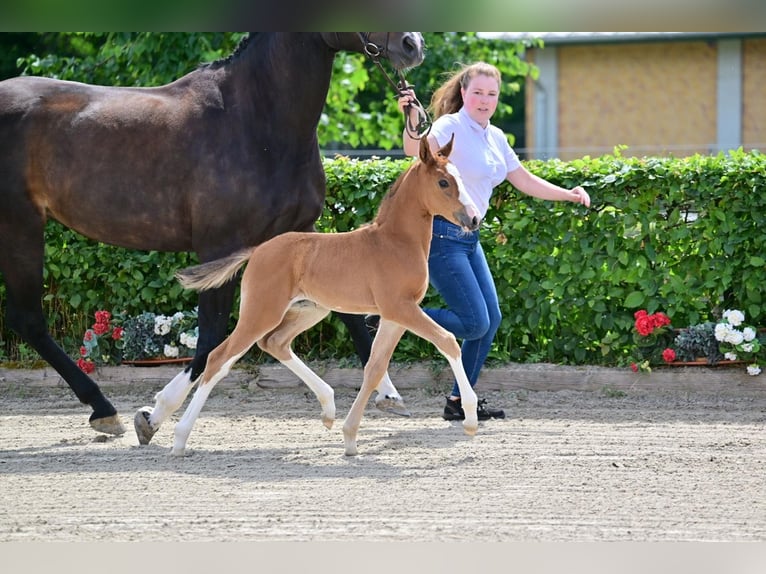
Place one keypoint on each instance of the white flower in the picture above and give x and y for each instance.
(171, 351)
(753, 370)
(721, 330)
(747, 347)
(188, 340)
(162, 325)
(748, 333)
(734, 317)
(730, 356)
(178, 317)
(734, 337)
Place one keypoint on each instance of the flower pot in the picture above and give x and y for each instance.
(158, 361)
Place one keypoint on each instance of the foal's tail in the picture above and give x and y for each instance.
(213, 273)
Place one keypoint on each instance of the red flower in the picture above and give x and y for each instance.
(83, 351)
(117, 333)
(88, 336)
(100, 328)
(669, 355)
(86, 367)
(634, 367)
(103, 317)
(644, 325)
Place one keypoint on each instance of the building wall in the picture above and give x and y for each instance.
(754, 94)
(658, 98)
(651, 97)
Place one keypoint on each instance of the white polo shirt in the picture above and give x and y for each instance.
(482, 155)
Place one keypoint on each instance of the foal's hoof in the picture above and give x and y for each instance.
(144, 429)
(392, 405)
(108, 425)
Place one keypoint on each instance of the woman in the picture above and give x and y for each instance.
(458, 270)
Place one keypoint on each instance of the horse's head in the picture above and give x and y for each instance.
(403, 49)
(445, 193)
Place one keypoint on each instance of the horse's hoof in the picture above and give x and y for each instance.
(392, 405)
(328, 422)
(470, 429)
(144, 429)
(178, 452)
(108, 425)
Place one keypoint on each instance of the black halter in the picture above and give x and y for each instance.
(374, 52)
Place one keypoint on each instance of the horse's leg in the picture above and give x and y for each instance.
(388, 398)
(299, 318)
(22, 267)
(214, 311)
(219, 363)
(412, 317)
(383, 347)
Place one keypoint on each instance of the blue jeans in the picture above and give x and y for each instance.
(459, 272)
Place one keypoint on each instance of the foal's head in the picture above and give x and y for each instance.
(444, 192)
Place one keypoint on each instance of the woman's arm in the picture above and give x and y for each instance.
(535, 186)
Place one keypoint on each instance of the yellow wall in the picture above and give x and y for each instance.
(754, 94)
(641, 95)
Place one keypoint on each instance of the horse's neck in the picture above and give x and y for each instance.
(286, 77)
(401, 217)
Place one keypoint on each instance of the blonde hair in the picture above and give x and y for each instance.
(447, 99)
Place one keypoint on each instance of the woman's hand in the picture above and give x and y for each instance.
(406, 98)
(579, 195)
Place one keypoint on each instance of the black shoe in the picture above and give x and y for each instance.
(453, 411)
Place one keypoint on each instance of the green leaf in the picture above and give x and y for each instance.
(634, 300)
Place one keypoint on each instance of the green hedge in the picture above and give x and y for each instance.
(684, 236)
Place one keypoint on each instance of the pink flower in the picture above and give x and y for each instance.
(669, 355)
(634, 367)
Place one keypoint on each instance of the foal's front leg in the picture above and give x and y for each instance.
(383, 347)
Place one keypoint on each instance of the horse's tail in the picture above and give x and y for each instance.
(213, 273)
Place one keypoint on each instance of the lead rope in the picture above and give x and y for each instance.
(423, 125)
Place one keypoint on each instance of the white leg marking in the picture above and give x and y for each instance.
(467, 396)
(386, 388)
(184, 426)
(322, 390)
(170, 398)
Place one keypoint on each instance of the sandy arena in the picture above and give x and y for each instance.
(582, 456)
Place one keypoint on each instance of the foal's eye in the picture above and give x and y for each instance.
(443, 183)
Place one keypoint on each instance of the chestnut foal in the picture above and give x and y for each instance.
(295, 279)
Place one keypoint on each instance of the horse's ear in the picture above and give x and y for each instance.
(447, 149)
(425, 151)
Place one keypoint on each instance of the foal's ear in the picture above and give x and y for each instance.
(447, 149)
(425, 149)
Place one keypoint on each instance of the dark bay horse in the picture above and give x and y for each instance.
(293, 281)
(223, 158)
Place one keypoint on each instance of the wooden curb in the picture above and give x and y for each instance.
(531, 377)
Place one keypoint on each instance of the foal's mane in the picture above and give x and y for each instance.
(440, 161)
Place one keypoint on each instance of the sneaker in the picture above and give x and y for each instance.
(453, 411)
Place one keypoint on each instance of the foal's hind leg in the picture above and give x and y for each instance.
(214, 310)
(148, 420)
(300, 317)
(219, 363)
